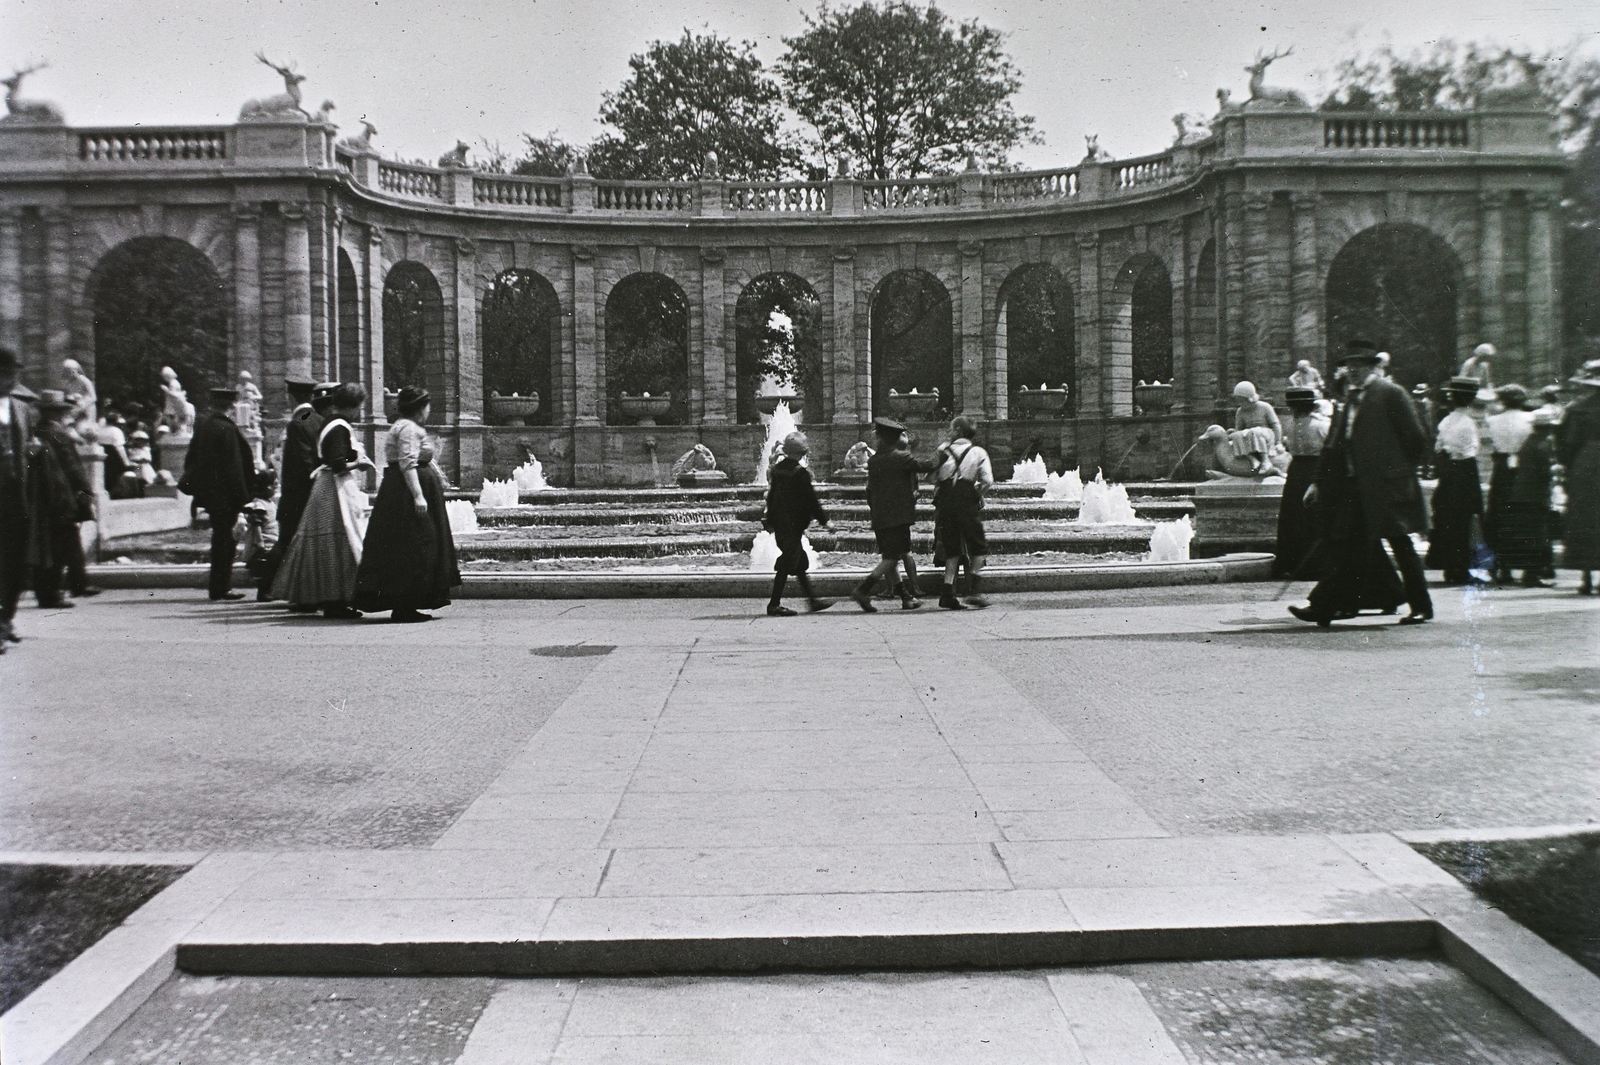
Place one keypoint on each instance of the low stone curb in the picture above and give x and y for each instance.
(744, 585)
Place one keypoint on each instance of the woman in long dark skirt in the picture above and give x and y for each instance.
(1523, 535)
(1580, 454)
(319, 569)
(408, 562)
(1508, 431)
(1454, 545)
(1304, 436)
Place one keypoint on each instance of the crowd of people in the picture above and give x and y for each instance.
(1355, 484)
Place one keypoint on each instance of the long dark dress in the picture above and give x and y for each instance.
(1455, 544)
(1356, 572)
(1580, 454)
(319, 569)
(408, 561)
(1522, 538)
(1297, 523)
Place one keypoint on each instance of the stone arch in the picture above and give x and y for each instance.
(647, 344)
(1399, 286)
(157, 301)
(347, 308)
(912, 338)
(1205, 372)
(1035, 333)
(793, 297)
(413, 334)
(1141, 328)
(521, 338)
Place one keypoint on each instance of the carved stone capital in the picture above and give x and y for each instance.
(971, 248)
(1305, 201)
(1541, 201)
(1491, 201)
(292, 212)
(465, 247)
(55, 216)
(713, 255)
(844, 253)
(246, 214)
(1088, 241)
(375, 236)
(10, 215)
(1257, 200)
(584, 253)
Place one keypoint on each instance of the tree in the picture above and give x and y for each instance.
(904, 91)
(1450, 75)
(689, 97)
(547, 156)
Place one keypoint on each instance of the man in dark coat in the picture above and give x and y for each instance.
(892, 497)
(1375, 446)
(16, 430)
(220, 473)
(299, 460)
(60, 496)
(791, 506)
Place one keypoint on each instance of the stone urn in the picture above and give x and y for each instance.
(645, 409)
(391, 406)
(512, 409)
(914, 406)
(1153, 399)
(1041, 402)
(767, 404)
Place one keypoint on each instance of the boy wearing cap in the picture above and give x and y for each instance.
(791, 506)
(892, 474)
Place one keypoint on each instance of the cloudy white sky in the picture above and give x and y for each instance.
(426, 73)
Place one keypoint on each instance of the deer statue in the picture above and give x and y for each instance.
(456, 158)
(324, 113)
(32, 111)
(1259, 91)
(284, 105)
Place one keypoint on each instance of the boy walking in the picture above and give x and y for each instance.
(892, 496)
(791, 506)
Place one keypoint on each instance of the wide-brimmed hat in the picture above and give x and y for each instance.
(1588, 374)
(412, 398)
(1359, 351)
(324, 388)
(51, 399)
(224, 395)
(1302, 396)
(1421, 389)
(1462, 387)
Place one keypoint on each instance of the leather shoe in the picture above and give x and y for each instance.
(1417, 617)
(1306, 614)
(57, 604)
(228, 597)
(84, 593)
(776, 611)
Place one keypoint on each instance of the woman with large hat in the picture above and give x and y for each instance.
(1580, 454)
(1456, 538)
(408, 564)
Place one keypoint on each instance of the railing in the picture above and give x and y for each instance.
(344, 160)
(1032, 187)
(895, 195)
(140, 145)
(1143, 173)
(516, 190)
(405, 179)
(649, 196)
(808, 197)
(1398, 131)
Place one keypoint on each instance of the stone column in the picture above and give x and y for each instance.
(1491, 265)
(1182, 372)
(1232, 272)
(970, 378)
(1308, 342)
(247, 300)
(714, 336)
(374, 316)
(585, 359)
(1092, 378)
(850, 384)
(11, 278)
(58, 288)
(297, 352)
(467, 404)
(1544, 301)
(1257, 289)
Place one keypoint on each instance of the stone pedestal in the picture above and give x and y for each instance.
(702, 479)
(1236, 515)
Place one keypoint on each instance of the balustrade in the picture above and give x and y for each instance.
(1142, 173)
(895, 195)
(1032, 187)
(403, 179)
(1397, 131)
(810, 197)
(515, 190)
(647, 196)
(152, 145)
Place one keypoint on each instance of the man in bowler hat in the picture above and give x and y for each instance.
(60, 496)
(220, 473)
(16, 429)
(299, 460)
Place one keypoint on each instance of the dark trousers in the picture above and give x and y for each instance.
(13, 550)
(1411, 574)
(223, 548)
(66, 555)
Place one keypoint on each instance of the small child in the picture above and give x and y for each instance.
(1257, 431)
(141, 458)
(892, 474)
(791, 506)
(1306, 376)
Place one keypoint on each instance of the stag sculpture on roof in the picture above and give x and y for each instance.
(284, 106)
(1267, 95)
(32, 111)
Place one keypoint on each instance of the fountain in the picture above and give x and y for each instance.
(1065, 487)
(498, 494)
(764, 552)
(780, 425)
(1030, 471)
(529, 477)
(463, 516)
(1105, 504)
(1169, 540)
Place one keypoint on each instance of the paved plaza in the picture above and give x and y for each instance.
(678, 785)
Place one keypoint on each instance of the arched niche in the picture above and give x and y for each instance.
(778, 322)
(157, 302)
(1141, 328)
(1204, 353)
(647, 345)
(521, 334)
(348, 308)
(1397, 285)
(413, 334)
(911, 336)
(1035, 337)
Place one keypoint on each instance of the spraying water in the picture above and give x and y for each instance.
(764, 552)
(1169, 540)
(498, 494)
(1030, 471)
(463, 517)
(779, 426)
(1065, 487)
(1105, 504)
(529, 477)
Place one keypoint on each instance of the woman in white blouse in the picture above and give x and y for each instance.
(408, 563)
(1458, 500)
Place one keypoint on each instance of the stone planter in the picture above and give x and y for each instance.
(1153, 399)
(767, 404)
(1041, 402)
(511, 410)
(644, 410)
(914, 406)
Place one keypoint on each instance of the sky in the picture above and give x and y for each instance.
(426, 74)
